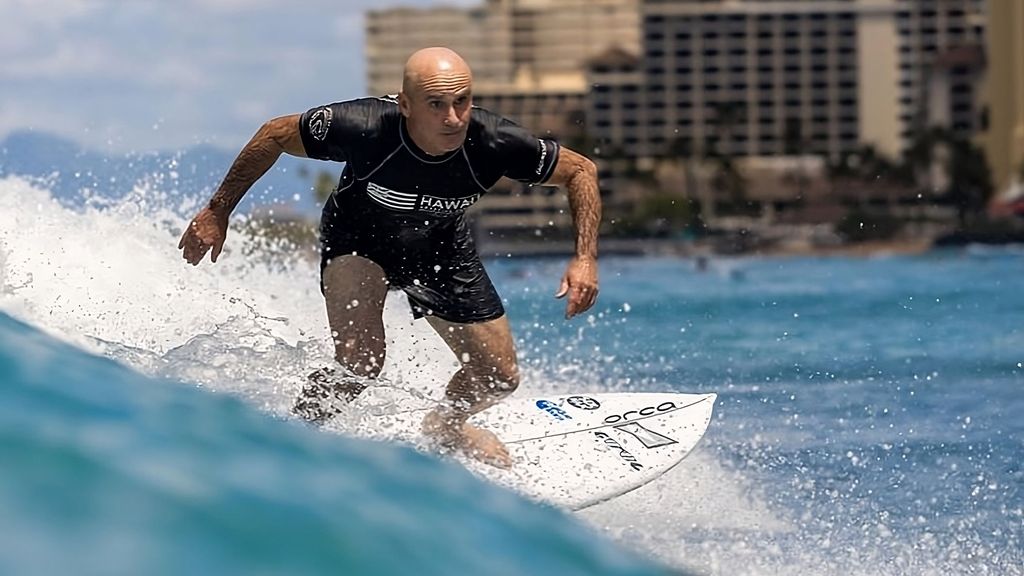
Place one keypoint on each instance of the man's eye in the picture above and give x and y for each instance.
(435, 104)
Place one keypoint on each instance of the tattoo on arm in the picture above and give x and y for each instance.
(274, 137)
(579, 176)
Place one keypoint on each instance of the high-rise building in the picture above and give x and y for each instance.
(781, 77)
(760, 79)
(553, 38)
(483, 36)
(940, 64)
(1004, 136)
(744, 77)
(753, 78)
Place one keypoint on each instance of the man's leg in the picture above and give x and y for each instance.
(489, 372)
(354, 291)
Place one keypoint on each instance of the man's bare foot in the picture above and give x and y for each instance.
(474, 441)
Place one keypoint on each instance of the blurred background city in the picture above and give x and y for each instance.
(749, 124)
(719, 126)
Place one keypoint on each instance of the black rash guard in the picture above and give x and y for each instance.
(404, 209)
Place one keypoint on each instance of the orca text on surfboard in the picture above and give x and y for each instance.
(643, 412)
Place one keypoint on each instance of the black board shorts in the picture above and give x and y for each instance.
(434, 261)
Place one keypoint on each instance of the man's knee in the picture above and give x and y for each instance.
(502, 380)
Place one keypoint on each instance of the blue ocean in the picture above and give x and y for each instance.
(869, 416)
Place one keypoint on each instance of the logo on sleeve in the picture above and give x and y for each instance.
(543, 157)
(319, 123)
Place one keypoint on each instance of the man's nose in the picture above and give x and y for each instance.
(452, 117)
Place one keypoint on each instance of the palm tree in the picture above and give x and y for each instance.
(681, 150)
(968, 178)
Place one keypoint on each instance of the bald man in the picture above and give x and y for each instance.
(396, 220)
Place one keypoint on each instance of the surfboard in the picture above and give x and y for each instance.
(577, 450)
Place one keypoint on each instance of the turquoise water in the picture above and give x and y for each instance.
(868, 419)
(109, 472)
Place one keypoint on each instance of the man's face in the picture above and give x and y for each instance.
(438, 118)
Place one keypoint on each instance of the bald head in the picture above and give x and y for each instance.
(436, 99)
(435, 68)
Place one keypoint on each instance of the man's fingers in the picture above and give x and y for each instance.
(193, 255)
(192, 249)
(572, 308)
(563, 289)
(582, 299)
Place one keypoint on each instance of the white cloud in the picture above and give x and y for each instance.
(109, 70)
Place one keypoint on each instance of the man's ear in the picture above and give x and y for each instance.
(404, 106)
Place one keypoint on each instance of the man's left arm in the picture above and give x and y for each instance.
(579, 176)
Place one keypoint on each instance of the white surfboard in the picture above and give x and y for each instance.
(577, 450)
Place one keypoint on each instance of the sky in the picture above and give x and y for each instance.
(146, 75)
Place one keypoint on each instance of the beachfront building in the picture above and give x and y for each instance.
(774, 84)
(481, 35)
(941, 60)
(1004, 135)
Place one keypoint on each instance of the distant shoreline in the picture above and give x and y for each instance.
(693, 249)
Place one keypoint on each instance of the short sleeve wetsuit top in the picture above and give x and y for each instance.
(404, 209)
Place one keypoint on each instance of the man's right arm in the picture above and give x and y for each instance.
(274, 137)
(208, 230)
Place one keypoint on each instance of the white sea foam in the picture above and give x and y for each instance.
(108, 277)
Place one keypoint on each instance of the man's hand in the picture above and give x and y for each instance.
(580, 283)
(207, 230)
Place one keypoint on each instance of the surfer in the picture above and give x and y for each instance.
(413, 164)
